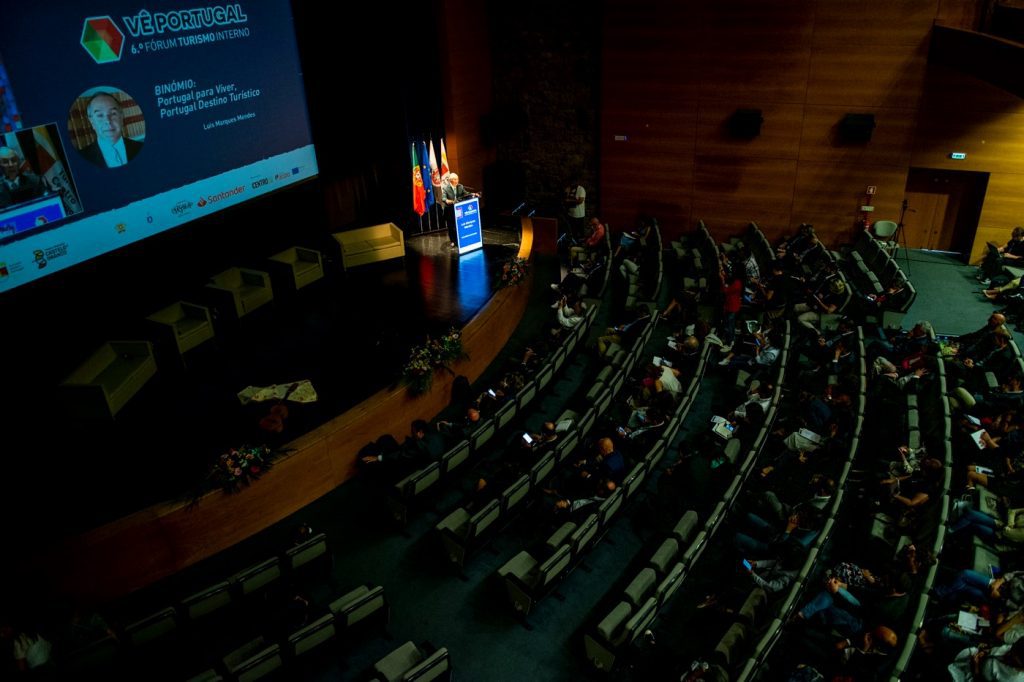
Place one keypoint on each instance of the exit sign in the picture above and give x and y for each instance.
(958, 155)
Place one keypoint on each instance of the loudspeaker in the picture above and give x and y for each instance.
(745, 123)
(856, 127)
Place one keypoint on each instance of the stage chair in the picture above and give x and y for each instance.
(111, 377)
(305, 265)
(187, 324)
(247, 289)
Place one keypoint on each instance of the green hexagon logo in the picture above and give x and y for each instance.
(102, 39)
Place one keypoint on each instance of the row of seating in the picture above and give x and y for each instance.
(984, 555)
(618, 628)
(529, 578)
(406, 494)
(806, 579)
(462, 532)
(873, 271)
(191, 618)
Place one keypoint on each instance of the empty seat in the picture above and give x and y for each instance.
(151, 628)
(308, 638)
(527, 580)
(753, 608)
(357, 605)
(515, 493)
(582, 537)
(665, 555)
(455, 457)
(670, 583)
(729, 648)
(685, 527)
(526, 394)
(481, 435)
(207, 601)
(642, 585)
(610, 633)
(542, 469)
(409, 662)
(607, 509)
(308, 551)
(258, 576)
(505, 413)
(253, 660)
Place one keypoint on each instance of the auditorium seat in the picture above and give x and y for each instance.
(642, 585)
(528, 580)
(357, 605)
(311, 636)
(254, 660)
(409, 662)
(256, 577)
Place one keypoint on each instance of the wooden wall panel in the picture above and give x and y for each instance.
(890, 143)
(1003, 210)
(466, 63)
(872, 25)
(650, 131)
(755, 74)
(857, 77)
(829, 196)
(730, 191)
(805, 64)
(993, 141)
(779, 138)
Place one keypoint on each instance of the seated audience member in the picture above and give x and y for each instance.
(579, 277)
(465, 428)
(624, 334)
(762, 354)
(967, 343)
(1003, 663)
(610, 460)
(595, 238)
(643, 428)
(790, 250)
(570, 313)
(425, 444)
(822, 302)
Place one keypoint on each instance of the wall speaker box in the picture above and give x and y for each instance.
(745, 123)
(857, 127)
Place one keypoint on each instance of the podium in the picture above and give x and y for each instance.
(469, 232)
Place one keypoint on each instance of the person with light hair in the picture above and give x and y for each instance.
(17, 185)
(111, 148)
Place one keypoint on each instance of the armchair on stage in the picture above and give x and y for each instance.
(187, 324)
(306, 265)
(105, 382)
(370, 244)
(247, 289)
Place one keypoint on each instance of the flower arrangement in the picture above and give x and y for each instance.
(424, 360)
(513, 271)
(240, 466)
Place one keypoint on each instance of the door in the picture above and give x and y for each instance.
(925, 220)
(942, 209)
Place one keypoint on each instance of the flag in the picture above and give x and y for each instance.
(435, 174)
(419, 192)
(428, 193)
(52, 170)
(444, 162)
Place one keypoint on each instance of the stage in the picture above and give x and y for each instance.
(348, 334)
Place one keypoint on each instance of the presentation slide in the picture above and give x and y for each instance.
(468, 229)
(119, 121)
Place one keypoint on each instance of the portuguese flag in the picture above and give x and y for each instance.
(419, 192)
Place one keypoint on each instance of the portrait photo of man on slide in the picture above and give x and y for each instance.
(104, 140)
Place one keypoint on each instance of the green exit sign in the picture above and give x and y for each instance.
(958, 155)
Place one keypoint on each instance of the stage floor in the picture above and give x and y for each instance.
(349, 334)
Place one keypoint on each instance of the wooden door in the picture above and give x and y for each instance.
(924, 222)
